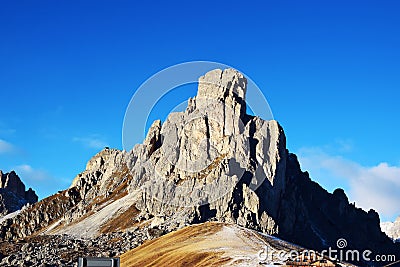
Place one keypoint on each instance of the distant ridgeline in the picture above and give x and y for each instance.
(12, 193)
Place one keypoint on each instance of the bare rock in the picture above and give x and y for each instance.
(212, 162)
(12, 193)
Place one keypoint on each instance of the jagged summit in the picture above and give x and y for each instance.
(211, 162)
(12, 193)
(220, 84)
(227, 86)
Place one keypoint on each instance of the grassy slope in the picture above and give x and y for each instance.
(208, 244)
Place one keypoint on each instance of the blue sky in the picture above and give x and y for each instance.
(329, 69)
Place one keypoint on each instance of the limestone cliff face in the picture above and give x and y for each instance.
(208, 160)
(212, 162)
(12, 193)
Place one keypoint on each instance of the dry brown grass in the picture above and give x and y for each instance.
(205, 172)
(119, 192)
(97, 203)
(121, 222)
(185, 247)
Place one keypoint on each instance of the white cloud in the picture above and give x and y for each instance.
(28, 173)
(91, 142)
(6, 147)
(344, 145)
(44, 183)
(376, 187)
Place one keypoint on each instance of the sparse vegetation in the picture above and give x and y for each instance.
(180, 248)
(121, 222)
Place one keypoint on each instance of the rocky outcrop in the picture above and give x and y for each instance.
(315, 218)
(12, 193)
(40, 215)
(62, 250)
(392, 229)
(212, 162)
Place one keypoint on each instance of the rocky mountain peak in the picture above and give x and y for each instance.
(221, 86)
(227, 86)
(13, 183)
(212, 162)
(12, 193)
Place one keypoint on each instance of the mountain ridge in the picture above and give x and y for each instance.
(212, 162)
(13, 195)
